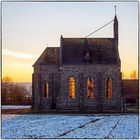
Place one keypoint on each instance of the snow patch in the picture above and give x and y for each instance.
(70, 126)
(15, 106)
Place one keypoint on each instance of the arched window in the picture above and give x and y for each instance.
(90, 87)
(46, 89)
(108, 88)
(72, 87)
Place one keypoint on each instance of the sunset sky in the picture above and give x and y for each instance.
(29, 27)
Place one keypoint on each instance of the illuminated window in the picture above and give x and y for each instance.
(46, 91)
(72, 87)
(108, 88)
(90, 88)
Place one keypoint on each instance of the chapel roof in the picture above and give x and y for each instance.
(49, 56)
(98, 50)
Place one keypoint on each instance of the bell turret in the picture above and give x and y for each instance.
(115, 26)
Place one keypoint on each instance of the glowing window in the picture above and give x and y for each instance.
(90, 88)
(72, 87)
(108, 88)
(46, 92)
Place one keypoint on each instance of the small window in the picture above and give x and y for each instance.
(72, 87)
(90, 87)
(108, 88)
(46, 91)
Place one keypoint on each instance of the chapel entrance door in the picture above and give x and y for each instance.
(53, 105)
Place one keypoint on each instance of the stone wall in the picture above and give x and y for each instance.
(58, 79)
(42, 74)
(81, 73)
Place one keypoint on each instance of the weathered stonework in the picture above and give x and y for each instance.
(55, 67)
(82, 101)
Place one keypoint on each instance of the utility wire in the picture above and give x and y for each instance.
(99, 28)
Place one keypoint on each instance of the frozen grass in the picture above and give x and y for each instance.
(70, 126)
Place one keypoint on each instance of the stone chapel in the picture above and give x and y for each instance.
(81, 74)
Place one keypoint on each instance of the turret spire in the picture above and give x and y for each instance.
(115, 25)
(115, 9)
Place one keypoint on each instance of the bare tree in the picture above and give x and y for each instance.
(133, 75)
(6, 84)
(6, 81)
(12, 92)
(20, 93)
(124, 76)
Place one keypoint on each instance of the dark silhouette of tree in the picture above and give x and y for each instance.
(13, 92)
(20, 93)
(6, 85)
(124, 76)
(133, 75)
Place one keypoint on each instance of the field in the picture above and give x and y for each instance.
(70, 126)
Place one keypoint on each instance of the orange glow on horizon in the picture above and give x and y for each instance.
(21, 74)
(20, 70)
(18, 74)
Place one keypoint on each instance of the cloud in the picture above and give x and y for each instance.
(17, 54)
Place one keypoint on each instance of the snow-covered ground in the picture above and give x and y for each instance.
(15, 106)
(70, 126)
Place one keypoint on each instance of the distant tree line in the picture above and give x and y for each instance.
(12, 93)
(132, 75)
